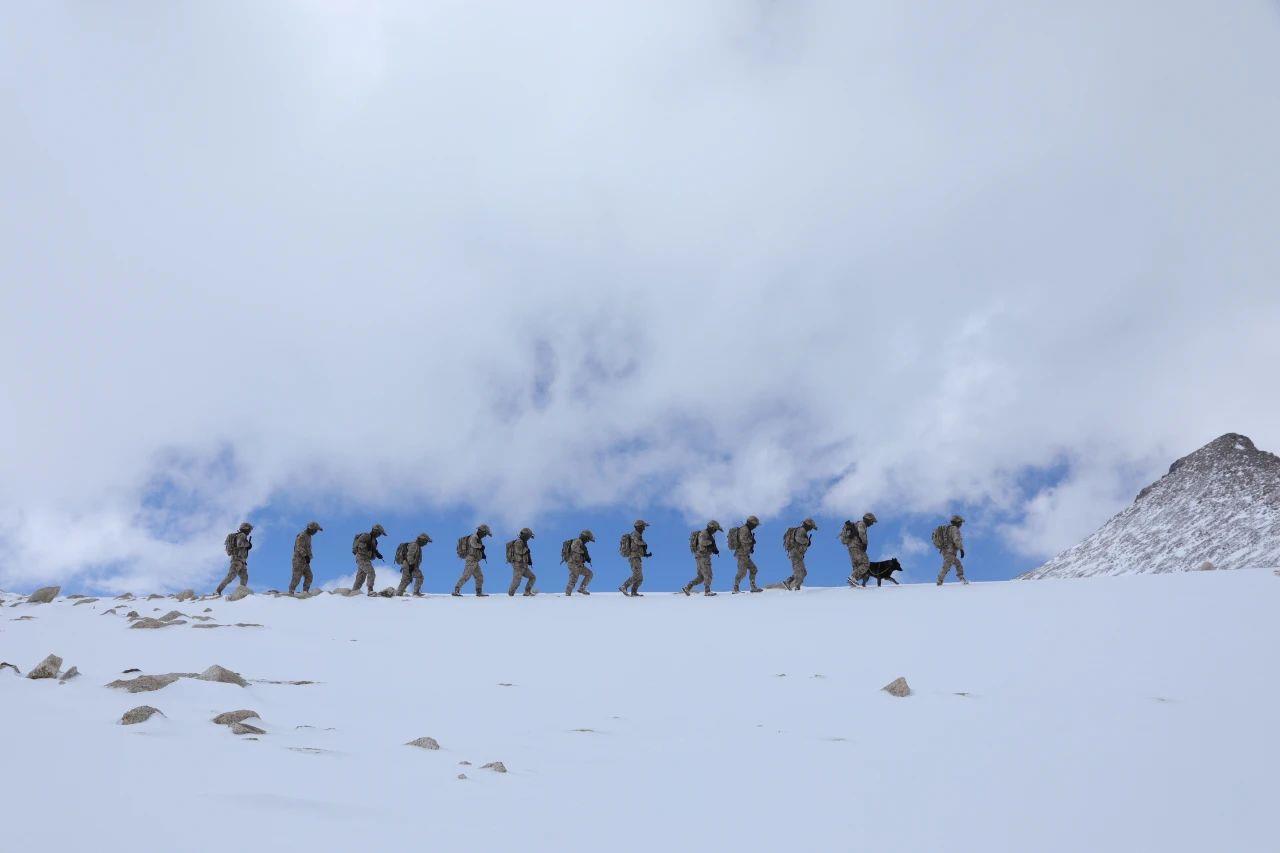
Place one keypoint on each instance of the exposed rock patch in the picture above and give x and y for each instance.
(898, 687)
(148, 622)
(186, 595)
(140, 714)
(84, 601)
(239, 593)
(147, 683)
(228, 718)
(495, 766)
(424, 743)
(68, 675)
(246, 729)
(47, 668)
(223, 675)
(44, 595)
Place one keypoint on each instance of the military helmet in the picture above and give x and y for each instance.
(714, 525)
(378, 530)
(246, 527)
(640, 524)
(809, 524)
(752, 521)
(955, 519)
(423, 539)
(483, 530)
(587, 536)
(526, 533)
(869, 517)
(314, 527)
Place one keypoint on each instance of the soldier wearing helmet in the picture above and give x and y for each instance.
(365, 549)
(302, 558)
(521, 558)
(634, 548)
(949, 542)
(411, 565)
(746, 546)
(471, 550)
(854, 537)
(796, 542)
(238, 545)
(578, 559)
(703, 545)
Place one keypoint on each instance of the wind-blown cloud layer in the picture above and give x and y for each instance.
(723, 257)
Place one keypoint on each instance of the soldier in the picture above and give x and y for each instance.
(854, 537)
(633, 547)
(521, 558)
(411, 565)
(948, 541)
(703, 544)
(238, 545)
(365, 548)
(796, 541)
(577, 557)
(743, 544)
(302, 558)
(471, 550)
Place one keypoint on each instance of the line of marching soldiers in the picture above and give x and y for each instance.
(575, 554)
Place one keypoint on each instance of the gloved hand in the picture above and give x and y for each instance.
(648, 553)
(962, 553)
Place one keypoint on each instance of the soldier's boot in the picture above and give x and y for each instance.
(964, 580)
(457, 590)
(757, 589)
(710, 592)
(623, 589)
(530, 592)
(568, 590)
(480, 593)
(686, 589)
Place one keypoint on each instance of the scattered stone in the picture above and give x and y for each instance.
(132, 669)
(464, 763)
(171, 615)
(424, 743)
(462, 775)
(147, 683)
(584, 731)
(495, 766)
(132, 614)
(186, 595)
(342, 590)
(229, 718)
(4, 664)
(153, 596)
(208, 626)
(389, 592)
(960, 693)
(68, 675)
(200, 618)
(128, 596)
(110, 611)
(207, 610)
(23, 619)
(273, 681)
(505, 684)
(44, 595)
(140, 714)
(47, 668)
(309, 750)
(246, 729)
(223, 675)
(148, 622)
(84, 601)
(75, 596)
(1207, 566)
(898, 687)
(239, 593)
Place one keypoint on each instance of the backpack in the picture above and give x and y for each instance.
(693, 542)
(789, 539)
(464, 546)
(733, 538)
(513, 551)
(230, 544)
(847, 533)
(400, 553)
(355, 545)
(566, 548)
(942, 537)
(624, 545)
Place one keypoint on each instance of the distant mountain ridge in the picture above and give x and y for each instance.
(1218, 505)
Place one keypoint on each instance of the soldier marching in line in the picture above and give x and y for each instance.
(520, 557)
(949, 542)
(796, 542)
(302, 559)
(742, 542)
(633, 547)
(365, 549)
(237, 546)
(703, 545)
(575, 554)
(409, 556)
(471, 550)
(853, 535)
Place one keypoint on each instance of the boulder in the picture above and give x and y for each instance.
(342, 590)
(140, 714)
(462, 775)
(246, 729)
(239, 593)
(495, 766)
(44, 595)
(147, 683)
(389, 592)
(69, 674)
(132, 614)
(84, 601)
(229, 718)
(898, 687)
(171, 615)
(128, 596)
(47, 668)
(148, 622)
(424, 743)
(186, 595)
(153, 596)
(223, 675)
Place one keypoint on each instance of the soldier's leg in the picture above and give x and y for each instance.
(417, 581)
(947, 559)
(406, 575)
(587, 575)
(530, 580)
(479, 575)
(244, 574)
(468, 569)
(231, 575)
(362, 570)
(798, 571)
(295, 578)
(752, 571)
(861, 567)
(637, 575)
(517, 572)
(705, 574)
(959, 570)
(741, 573)
(573, 579)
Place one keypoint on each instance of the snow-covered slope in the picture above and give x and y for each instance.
(1132, 713)
(1220, 505)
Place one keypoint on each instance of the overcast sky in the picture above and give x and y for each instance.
(515, 259)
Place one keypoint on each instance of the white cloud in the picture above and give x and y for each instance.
(722, 256)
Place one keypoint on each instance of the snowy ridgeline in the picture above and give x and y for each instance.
(1131, 713)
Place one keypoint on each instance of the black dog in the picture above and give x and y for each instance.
(883, 571)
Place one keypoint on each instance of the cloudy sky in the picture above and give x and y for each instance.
(568, 263)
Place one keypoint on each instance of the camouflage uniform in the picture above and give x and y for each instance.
(800, 543)
(302, 558)
(579, 556)
(954, 542)
(239, 558)
(366, 551)
(471, 562)
(860, 564)
(411, 568)
(746, 547)
(702, 557)
(637, 550)
(520, 565)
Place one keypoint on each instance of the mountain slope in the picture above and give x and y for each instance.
(1220, 505)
